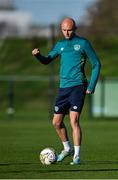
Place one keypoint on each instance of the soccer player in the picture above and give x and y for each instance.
(73, 51)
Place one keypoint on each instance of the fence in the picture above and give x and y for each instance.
(104, 103)
(35, 95)
(27, 94)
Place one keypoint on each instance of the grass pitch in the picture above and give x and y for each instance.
(21, 140)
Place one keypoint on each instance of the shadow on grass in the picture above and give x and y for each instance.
(99, 162)
(18, 164)
(60, 171)
(61, 163)
(77, 168)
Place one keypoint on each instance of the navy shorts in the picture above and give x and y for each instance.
(70, 99)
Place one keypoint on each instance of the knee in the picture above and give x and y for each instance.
(74, 122)
(74, 119)
(56, 124)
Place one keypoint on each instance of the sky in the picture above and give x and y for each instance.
(52, 11)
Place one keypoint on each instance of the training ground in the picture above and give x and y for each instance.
(23, 136)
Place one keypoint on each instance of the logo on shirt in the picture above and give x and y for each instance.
(76, 47)
(62, 49)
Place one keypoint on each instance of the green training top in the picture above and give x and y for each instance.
(73, 55)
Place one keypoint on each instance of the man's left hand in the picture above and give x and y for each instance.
(88, 92)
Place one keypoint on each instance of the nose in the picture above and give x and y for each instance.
(67, 32)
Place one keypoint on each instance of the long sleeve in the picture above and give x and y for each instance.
(51, 56)
(96, 65)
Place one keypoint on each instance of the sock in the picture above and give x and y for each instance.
(66, 145)
(76, 151)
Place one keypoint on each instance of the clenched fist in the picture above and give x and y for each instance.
(35, 51)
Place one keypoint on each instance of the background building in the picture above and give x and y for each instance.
(12, 21)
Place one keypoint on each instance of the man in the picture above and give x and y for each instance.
(74, 51)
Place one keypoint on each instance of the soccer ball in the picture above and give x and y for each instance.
(48, 156)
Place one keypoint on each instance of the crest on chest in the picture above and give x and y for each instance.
(76, 47)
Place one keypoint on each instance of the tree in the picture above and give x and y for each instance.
(104, 17)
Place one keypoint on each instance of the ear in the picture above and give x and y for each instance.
(75, 27)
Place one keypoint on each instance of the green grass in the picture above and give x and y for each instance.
(21, 140)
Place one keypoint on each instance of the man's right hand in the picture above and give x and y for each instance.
(35, 51)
